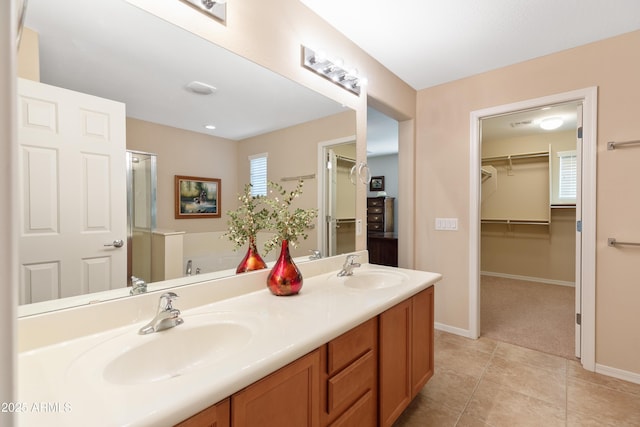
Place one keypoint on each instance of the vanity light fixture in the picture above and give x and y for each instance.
(333, 70)
(551, 123)
(217, 9)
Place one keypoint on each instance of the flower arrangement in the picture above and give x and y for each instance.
(246, 221)
(288, 223)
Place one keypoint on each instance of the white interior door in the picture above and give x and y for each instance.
(578, 280)
(72, 193)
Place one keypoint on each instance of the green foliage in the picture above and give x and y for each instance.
(246, 221)
(274, 213)
(287, 222)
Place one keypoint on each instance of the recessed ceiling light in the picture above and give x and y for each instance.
(201, 88)
(551, 123)
(210, 127)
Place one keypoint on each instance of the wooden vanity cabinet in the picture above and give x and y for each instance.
(348, 385)
(287, 397)
(365, 377)
(218, 415)
(405, 353)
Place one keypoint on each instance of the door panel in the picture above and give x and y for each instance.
(73, 192)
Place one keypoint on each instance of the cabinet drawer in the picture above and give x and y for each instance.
(375, 218)
(375, 210)
(377, 226)
(352, 382)
(350, 345)
(361, 414)
(375, 202)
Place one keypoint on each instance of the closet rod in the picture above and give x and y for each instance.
(516, 156)
(514, 222)
(346, 159)
(611, 145)
(611, 241)
(297, 178)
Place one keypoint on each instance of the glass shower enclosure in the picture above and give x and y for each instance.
(141, 213)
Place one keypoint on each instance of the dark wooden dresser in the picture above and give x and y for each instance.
(383, 248)
(380, 214)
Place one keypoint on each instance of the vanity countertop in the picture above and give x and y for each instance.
(52, 390)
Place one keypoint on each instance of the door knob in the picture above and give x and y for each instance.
(116, 243)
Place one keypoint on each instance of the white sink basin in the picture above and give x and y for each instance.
(371, 279)
(131, 358)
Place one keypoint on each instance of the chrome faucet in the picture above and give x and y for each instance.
(167, 317)
(315, 254)
(349, 265)
(189, 267)
(138, 286)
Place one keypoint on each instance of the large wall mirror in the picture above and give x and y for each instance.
(173, 84)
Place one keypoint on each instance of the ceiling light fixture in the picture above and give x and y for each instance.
(216, 9)
(201, 88)
(333, 70)
(551, 123)
(210, 127)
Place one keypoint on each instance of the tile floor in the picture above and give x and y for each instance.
(489, 383)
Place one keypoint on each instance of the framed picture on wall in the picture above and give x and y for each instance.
(377, 183)
(197, 197)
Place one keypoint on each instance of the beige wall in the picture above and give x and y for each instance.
(545, 252)
(28, 58)
(442, 181)
(538, 251)
(182, 152)
(293, 152)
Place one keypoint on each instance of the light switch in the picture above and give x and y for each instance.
(447, 224)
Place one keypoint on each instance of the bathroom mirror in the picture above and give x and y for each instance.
(173, 84)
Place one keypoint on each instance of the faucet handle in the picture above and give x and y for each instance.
(315, 254)
(167, 298)
(351, 258)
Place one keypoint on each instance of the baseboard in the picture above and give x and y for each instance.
(528, 278)
(632, 377)
(453, 330)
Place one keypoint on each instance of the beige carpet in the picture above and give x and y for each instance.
(529, 314)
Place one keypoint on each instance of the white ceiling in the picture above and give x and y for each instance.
(429, 42)
(424, 42)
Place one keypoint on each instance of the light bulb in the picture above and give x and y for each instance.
(551, 123)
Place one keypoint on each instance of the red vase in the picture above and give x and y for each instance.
(252, 260)
(285, 278)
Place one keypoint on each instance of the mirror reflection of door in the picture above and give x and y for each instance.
(72, 149)
(339, 199)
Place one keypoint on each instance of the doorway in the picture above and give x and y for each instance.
(141, 213)
(383, 199)
(337, 196)
(527, 224)
(585, 214)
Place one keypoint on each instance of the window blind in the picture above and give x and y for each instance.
(568, 172)
(258, 174)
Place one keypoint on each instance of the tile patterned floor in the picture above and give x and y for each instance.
(490, 383)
